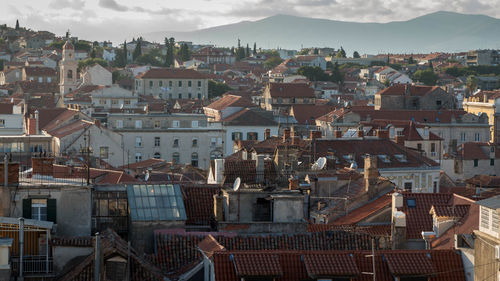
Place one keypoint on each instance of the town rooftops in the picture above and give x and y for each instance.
(40, 71)
(170, 73)
(248, 117)
(492, 202)
(6, 108)
(412, 90)
(291, 90)
(231, 101)
(477, 150)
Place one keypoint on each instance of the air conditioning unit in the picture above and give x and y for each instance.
(497, 252)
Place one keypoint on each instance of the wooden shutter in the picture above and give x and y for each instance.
(51, 210)
(27, 208)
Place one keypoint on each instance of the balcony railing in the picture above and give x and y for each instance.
(33, 264)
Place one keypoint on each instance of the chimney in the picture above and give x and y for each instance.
(407, 90)
(286, 134)
(382, 134)
(219, 206)
(42, 165)
(314, 134)
(371, 175)
(338, 134)
(259, 169)
(37, 122)
(293, 184)
(361, 133)
(267, 134)
(398, 223)
(400, 139)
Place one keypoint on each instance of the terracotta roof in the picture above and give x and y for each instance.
(209, 246)
(144, 164)
(247, 265)
(399, 90)
(307, 113)
(324, 265)
(231, 101)
(199, 204)
(246, 170)
(169, 73)
(248, 117)
(6, 108)
(37, 87)
(484, 181)
(291, 90)
(40, 71)
(441, 264)
(357, 215)
(410, 264)
(50, 119)
(70, 128)
(476, 150)
(447, 210)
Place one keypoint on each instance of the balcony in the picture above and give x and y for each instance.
(33, 265)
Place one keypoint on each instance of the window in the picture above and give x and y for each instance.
(119, 124)
(2, 123)
(213, 142)
(49, 79)
(215, 155)
(70, 74)
(151, 84)
(127, 102)
(438, 103)
(419, 146)
(492, 162)
(195, 142)
(157, 155)
(170, 83)
(408, 185)
(116, 269)
(236, 136)
(175, 123)
(199, 83)
(40, 79)
(157, 124)
(194, 159)
(40, 209)
(104, 152)
(160, 83)
(189, 96)
(252, 136)
(138, 157)
(102, 101)
(477, 137)
(189, 83)
(114, 101)
(138, 141)
(157, 141)
(138, 124)
(176, 142)
(411, 202)
(194, 124)
(180, 84)
(476, 162)
(262, 210)
(199, 96)
(175, 157)
(463, 136)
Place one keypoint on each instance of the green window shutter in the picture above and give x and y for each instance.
(27, 208)
(52, 210)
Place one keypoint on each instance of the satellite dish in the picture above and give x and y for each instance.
(11, 100)
(321, 162)
(146, 178)
(236, 184)
(121, 106)
(354, 165)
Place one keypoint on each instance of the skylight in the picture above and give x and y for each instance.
(411, 202)
(384, 158)
(154, 202)
(401, 158)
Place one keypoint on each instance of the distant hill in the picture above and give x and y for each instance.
(440, 31)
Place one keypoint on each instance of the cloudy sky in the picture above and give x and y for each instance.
(122, 19)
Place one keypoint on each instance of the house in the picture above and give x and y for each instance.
(11, 119)
(312, 61)
(471, 159)
(165, 83)
(487, 239)
(226, 105)
(282, 96)
(212, 55)
(404, 96)
(96, 75)
(40, 74)
(89, 98)
(486, 102)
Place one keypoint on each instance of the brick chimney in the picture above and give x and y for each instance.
(37, 122)
(371, 175)
(286, 134)
(338, 134)
(219, 201)
(293, 184)
(259, 169)
(398, 222)
(400, 139)
(267, 134)
(382, 134)
(42, 165)
(314, 134)
(361, 133)
(407, 90)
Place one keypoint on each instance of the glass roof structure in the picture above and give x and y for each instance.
(156, 202)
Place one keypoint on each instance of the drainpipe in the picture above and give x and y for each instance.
(5, 171)
(21, 248)
(97, 257)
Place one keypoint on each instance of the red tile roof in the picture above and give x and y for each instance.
(6, 108)
(209, 246)
(365, 211)
(248, 117)
(307, 113)
(291, 90)
(231, 101)
(325, 265)
(476, 150)
(199, 204)
(70, 128)
(410, 264)
(40, 71)
(249, 265)
(447, 210)
(170, 73)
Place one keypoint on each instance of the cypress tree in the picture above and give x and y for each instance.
(17, 24)
(255, 48)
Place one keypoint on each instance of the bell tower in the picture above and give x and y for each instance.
(67, 69)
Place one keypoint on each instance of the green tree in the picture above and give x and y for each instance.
(138, 50)
(125, 54)
(304, 51)
(170, 44)
(356, 55)
(2, 63)
(92, 54)
(336, 75)
(185, 53)
(431, 66)
(316, 51)
(148, 59)
(313, 73)
(216, 89)
(272, 62)
(254, 48)
(428, 77)
(17, 24)
(120, 58)
(471, 84)
(411, 60)
(341, 53)
(91, 61)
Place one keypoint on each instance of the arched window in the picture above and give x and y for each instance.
(175, 157)
(157, 155)
(70, 74)
(194, 159)
(195, 142)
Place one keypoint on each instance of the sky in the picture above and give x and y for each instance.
(117, 20)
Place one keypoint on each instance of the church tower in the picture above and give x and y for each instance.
(67, 69)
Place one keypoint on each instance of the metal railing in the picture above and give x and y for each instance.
(33, 264)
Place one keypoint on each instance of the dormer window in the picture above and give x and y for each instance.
(384, 158)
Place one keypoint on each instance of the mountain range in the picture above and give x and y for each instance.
(439, 31)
